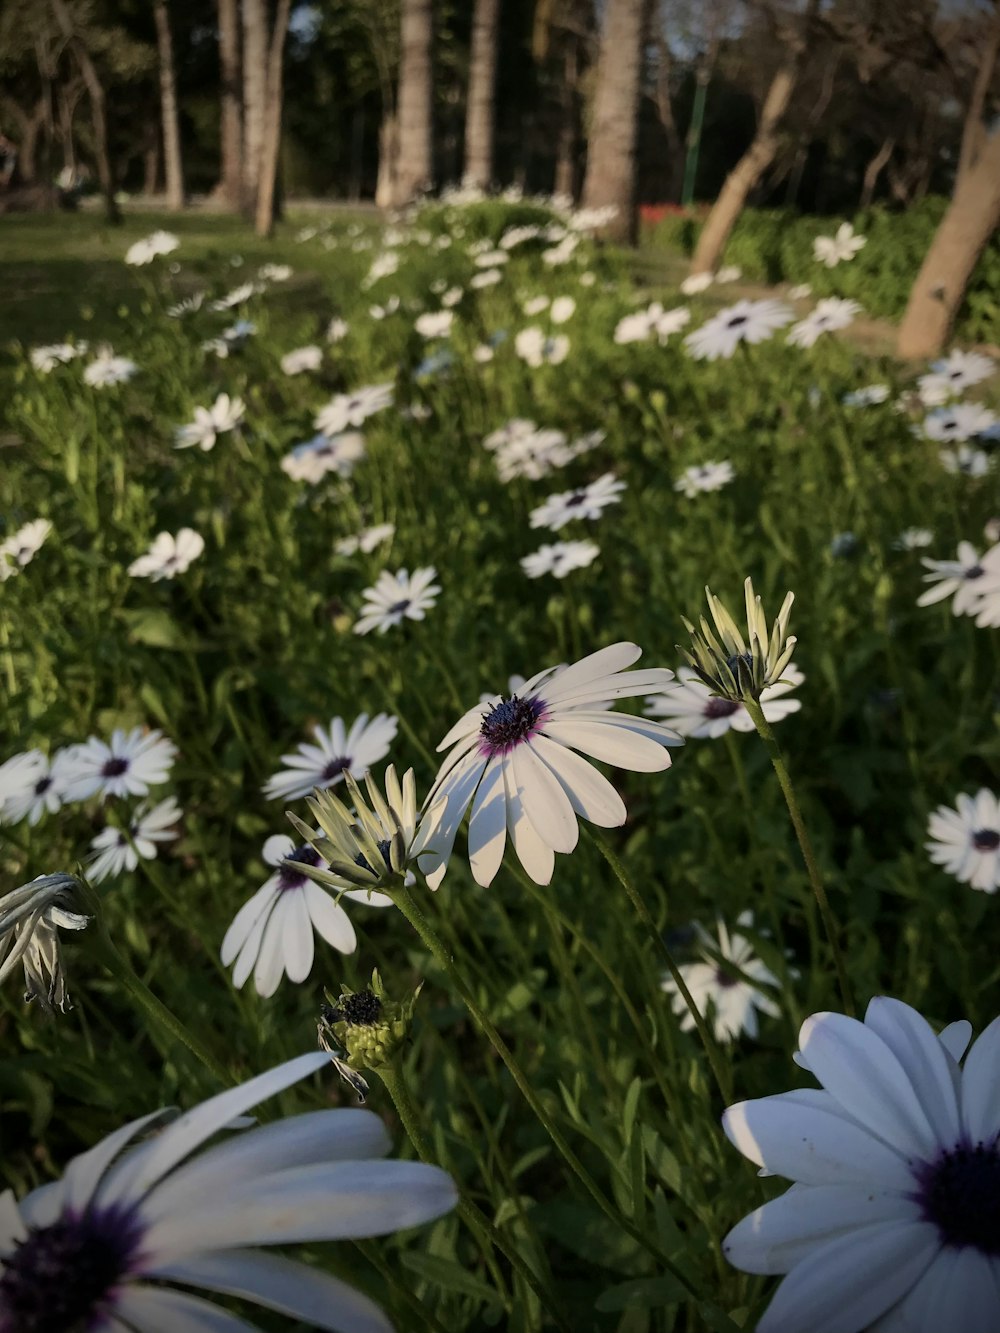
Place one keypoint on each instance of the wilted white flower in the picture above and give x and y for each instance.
(30, 918)
(733, 668)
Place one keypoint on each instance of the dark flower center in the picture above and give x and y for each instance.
(986, 840)
(737, 321)
(362, 860)
(42, 786)
(288, 876)
(361, 1010)
(336, 768)
(720, 708)
(114, 768)
(975, 572)
(724, 979)
(510, 722)
(399, 606)
(961, 1196)
(63, 1277)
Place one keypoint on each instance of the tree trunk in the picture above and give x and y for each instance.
(98, 107)
(610, 177)
(264, 219)
(972, 217)
(665, 112)
(873, 170)
(29, 127)
(414, 168)
(565, 183)
(231, 128)
(388, 154)
(150, 160)
(254, 98)
(974, 131)
(481, 108)
(168, 108)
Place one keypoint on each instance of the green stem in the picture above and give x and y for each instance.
(408, 906)
(808, 855)
(719, 1071)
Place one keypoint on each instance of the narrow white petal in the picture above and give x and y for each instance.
(960, 1290)
(981, 1086)
(298, 937)
(913, 1042)
(955, 1038)
(535, 855)
(488, 824)
(330, 919)
(545, 803)
(84, 1173)
(609, 744)
(273, 949)
(243, 923)
(605, 662)
(590, 793)
(12, 1227)
(159, 1310)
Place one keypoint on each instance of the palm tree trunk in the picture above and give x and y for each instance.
(963, 234)
(414, 164)
(254, 98)
(264, 220)
(388, 156)
(610, 177)
(480, 114)
(231, 137)
(168, 108)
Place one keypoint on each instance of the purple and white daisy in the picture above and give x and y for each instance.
(722, 996)
(744, 322)
(116, 850)
(337, 751)
(586, 502)
(323, 454)
(966, 840)
(128, 765)
(352, 409)
(394, 598)
(691, 709)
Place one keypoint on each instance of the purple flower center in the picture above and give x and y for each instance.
(288, 876)
(736, 321)
(64, 1276)
(42, 786)
(986, 840)
(114, 768)
(384, 846)
(960, 1194)
(336, 768)
(720, 708)
(510, 722)
(724, 979)
(973, 572)
(397, 607)
(577, 498)
(363, 1009)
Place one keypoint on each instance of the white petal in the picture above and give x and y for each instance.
(955, 1038)
(330, 919)
(960, 1290)
(253, 913)
(298, 937)
(273, 949)
(590, 793)
(279, 845)
(84, 1173)
(535, 855)
(159, 1310)
(913, 1042)
(611, 744)
(605, 662)
(981, 1086)
(545, 803)
(488, 824)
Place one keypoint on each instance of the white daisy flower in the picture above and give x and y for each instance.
(692, 710)
(891, 1223)
(215, 347)
(586, 502)
(515, 429)
(451, 297)
(274, 272)
(30, 918)
(534, 455)
(704, 477)
(383, 266)
(560, 559)
(830, 314)
(667, 322)
(562, 309)
(434, 323)
(302, 359)
(168, 555)
(966, 461)
(107, 369)
(209, 423)
(488, 277)
(352, 409)
(128, 765)
(746, 321)
(870, 395)
(337, 330)
(799, 292)
(188, 306)
(634, 328)
(367, 540)
(966, 840)
(322, 454)
(45, 359)
(534, 305)
(957, 372)
(119, 1242)
(151, 247)
(837, 249)
(491, 258)
(115, 851)
(394, 598)
(22, 546)
(695, 283)
(730, 273)
(562, 253)
(236, 297)
(961, 421)
(483, 353)
(272, 933)
(515, 761)
(336, 752)
(960, 577)
(721, 995)
(537, 349)
(30, 787)
(913, 539)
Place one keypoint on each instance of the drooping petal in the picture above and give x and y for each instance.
(535, 855)
(330, 919)
(590, 793)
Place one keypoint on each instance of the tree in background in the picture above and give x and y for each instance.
(480, 109)
(413, 169)
(168, 108)
(230, 187)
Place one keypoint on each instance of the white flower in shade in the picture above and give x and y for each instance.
(514, 760)
(744, 322)
(966, 461)
(634, 328)
(870, 395)
(274, 272)
(483, 353)
(30, 787)
(107, 369)
(560, 559)
(799, 292)
(837, 249)
(515, 236)
(562, 309)
(587, 279)
(22, 546)
(488, 277)
(491, 259)
(397, 597)
(128, 765)
(891, 1222)
(451, 297)
(515, 429)
(209, 423)
(30, 918)
(367, 540)
(236, 297)
(561, 253)
(966, 840)
(215, 347)
(383, 266)
(721, 994)
(352, 409)
(122, 1239)
(586, 502)
(831, 313)
(272, 933)
(335, 753)
(322, 454)
(962, 577)
(695, 283)
(704, 477)
(434, 323)
(168, 555)
(913, 539)
(188, 306)
(115, 850)
(729, 273)
(45, 359)
(533, 455)
(932, 391)
(534, 305)
(151, 247)
(302, 359)
(691, 709)
(337, 330)
(963, 421)
(666, 322)
(390, 307)
(537, 349)
(957, 372)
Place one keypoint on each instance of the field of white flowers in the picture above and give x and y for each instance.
(445, 495)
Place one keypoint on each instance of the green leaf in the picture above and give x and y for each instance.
(449, 1275)
(643, 1293)
(156, 628)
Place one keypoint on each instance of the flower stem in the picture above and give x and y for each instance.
(767, 735)
(719, 1071)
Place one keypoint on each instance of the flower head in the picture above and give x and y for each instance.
(302, 359)
(693, 710)
(366, 540)
(734, 669)
(969, 578)
(209, 423)
(21, 548)
(966, 840)
(352, 409)
(151, 247)
(744, 322)
(322, 454)
(116, 850)
(336, 752)
(833, 250)
(128, 765)
(704, 477)
(30, 786)
(830, 314)
(397, 597)
(586, 502)
(168, 555)
(730, 997)
(366, 1025)
(107, 369)
(560, 559)
(29, 921)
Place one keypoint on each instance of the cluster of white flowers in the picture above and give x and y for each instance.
(654, 321)
(522, 449)
(151, 247)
